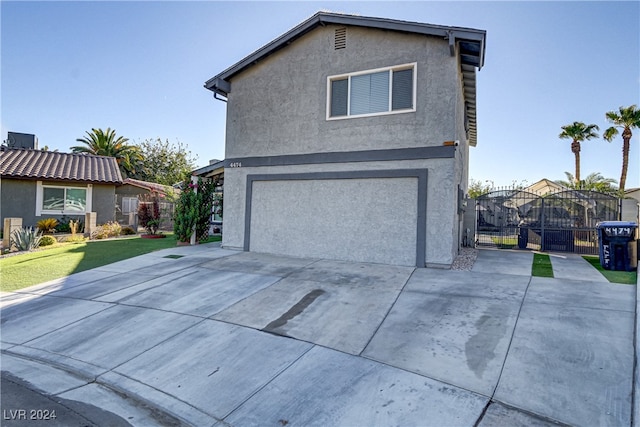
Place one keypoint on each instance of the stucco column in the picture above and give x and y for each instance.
(90, 222)
(10, 225)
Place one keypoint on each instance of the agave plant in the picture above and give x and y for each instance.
(26, 239)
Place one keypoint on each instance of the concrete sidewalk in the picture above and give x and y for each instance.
(203, 336)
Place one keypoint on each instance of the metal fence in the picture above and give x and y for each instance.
(564, 221)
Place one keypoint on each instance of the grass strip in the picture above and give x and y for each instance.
(541, 266)
(613, 276)
(31, 268)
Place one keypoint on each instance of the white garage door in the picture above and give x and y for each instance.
(365, 219)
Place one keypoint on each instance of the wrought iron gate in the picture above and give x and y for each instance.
(564, 221)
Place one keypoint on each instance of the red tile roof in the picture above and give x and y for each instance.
(151, 186)
(51, 165)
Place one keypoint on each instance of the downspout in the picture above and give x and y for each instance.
(215, 95)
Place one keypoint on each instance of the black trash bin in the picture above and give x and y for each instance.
(615, 239)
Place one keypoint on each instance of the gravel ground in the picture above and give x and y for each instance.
(465, 260)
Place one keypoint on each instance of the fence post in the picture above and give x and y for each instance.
(194, 180)
(542, 221)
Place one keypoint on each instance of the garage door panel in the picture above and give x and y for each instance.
(368, 220)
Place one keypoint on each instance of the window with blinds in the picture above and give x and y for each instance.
(373, 92)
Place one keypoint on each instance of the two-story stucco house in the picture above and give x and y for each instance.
(348, 138)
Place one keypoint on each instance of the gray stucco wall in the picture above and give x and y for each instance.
(104, 203)
(18, 199)
(278, 107)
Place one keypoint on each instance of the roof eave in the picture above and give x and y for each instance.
(221, 85)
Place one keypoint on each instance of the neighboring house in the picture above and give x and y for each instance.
(631, 206)
(348, 138)
(545, 186)
(131, 191)
(44, 184)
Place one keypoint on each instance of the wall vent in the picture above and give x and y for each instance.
(340, 41)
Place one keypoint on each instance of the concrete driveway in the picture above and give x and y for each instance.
(204, 336)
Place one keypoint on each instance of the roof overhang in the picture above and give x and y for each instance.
(210, 170)
(470, 44)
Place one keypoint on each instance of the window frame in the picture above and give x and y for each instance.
(40, 199)
(128, 203)
(412, 65)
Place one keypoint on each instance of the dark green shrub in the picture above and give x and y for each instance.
(193, 211)
(127, 231)
(47, 240)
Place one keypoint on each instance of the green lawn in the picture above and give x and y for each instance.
(503, 242)
(623, 277)
(541, 266)
(20, 271)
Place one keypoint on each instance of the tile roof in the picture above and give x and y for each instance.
(37, 164)
(151, 186)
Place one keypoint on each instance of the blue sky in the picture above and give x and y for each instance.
(139, 68)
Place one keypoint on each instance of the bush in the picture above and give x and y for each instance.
(127, 231)
(64, 224)
(76, 238)
(193, 211)
(47, 225)
(149, 212)
(47, 241)
(26, 239)
(109, 229)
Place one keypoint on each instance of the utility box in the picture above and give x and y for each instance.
(617, 241)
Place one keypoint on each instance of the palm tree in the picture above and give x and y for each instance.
(626, 119)
(105, 143)
(593, 182)
(578, 131)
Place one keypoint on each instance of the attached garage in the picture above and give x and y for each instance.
(368, 216)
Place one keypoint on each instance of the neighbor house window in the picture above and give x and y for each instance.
(374, 92)
(129, 204)
(57, 199)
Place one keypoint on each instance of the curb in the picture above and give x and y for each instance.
(159, 405)
(635, 391)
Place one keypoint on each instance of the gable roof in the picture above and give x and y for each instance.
(37, 164)
(150, 186)
(545, 186)
(470, 41)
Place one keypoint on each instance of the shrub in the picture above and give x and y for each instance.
(47, 225)
(74, 226)
(127, 231)
(109, 229)
(64, 224)
(193, 210)
(26, 239)
(149, 213)
(47, 240)
(76, 238)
